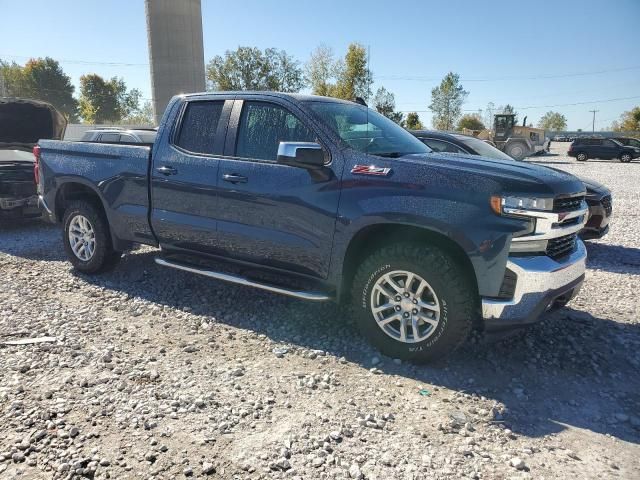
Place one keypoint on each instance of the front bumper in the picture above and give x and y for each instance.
(542, 284)
(597, 225)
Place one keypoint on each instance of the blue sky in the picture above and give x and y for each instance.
(528, 54)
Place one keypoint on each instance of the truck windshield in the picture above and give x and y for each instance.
(367, 131)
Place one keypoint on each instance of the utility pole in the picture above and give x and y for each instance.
(593, 126)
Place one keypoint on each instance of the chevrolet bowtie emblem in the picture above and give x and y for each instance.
(370, 170)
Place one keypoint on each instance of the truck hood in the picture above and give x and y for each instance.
(516, 177)
(23, 122)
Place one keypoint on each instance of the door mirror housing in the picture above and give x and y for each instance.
(301, 154)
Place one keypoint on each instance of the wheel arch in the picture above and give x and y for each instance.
(371, 237)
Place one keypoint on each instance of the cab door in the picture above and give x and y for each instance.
(275, 215)
(184, 176)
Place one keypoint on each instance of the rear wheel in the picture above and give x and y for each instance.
(625, 157)
(413, 302)
(517, 151)
(582, 157)
(86, 238)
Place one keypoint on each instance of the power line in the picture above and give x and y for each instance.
(511, 77)
(545, 106)
(84, 62)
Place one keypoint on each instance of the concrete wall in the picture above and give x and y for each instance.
(176, 54)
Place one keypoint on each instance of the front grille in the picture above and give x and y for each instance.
(561, 246)
(567, 204)
(608, 207)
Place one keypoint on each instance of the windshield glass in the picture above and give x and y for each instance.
(147, 137)
(367, 131)
(483, 148)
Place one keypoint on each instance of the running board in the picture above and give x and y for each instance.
(305, 295)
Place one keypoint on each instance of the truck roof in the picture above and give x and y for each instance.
(296, 96)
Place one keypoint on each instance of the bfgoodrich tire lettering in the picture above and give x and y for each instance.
(455, 301)
(103, 257)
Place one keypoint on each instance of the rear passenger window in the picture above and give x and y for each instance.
(263, 126)
(199, 125)
(110, 137)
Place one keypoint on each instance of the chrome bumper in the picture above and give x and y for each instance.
(542, 284)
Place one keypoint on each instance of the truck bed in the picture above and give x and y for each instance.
(118, 172)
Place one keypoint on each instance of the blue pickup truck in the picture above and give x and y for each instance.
(324, 199)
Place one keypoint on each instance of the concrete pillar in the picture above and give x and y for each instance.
(176, 54)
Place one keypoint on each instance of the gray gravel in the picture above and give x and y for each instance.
(160, 374)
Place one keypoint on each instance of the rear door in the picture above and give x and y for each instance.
(271, 214)
(610, 149)
(184, 175)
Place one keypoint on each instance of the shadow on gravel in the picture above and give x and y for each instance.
(31, 239)
(613, 258)
(572, 369)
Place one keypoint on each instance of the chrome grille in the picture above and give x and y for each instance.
(561, 246)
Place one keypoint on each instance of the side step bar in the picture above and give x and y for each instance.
(313, 296)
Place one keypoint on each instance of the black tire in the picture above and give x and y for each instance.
(104, 256)
(582, 157)
(453, 289)
(517, 150)
(625, 158)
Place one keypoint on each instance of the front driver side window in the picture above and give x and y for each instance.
(263, 126)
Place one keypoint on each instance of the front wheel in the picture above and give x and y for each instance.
(517, 151)
(86, 238)
(625, 157)
(413, 302)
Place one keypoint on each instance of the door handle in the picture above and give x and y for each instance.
(165, 170)
(234, 178)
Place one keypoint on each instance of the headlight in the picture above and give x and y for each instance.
(499, 203)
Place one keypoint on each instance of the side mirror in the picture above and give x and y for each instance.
(301, 154)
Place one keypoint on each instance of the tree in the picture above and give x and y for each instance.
(321, 70)
(41, 79)
(471, 121)
(629, 121)
(249, 68)
(106, 101)
(553, 121)
(446, 102)
(385, 103)
(354, 77)
(413, 122)
(140, 116)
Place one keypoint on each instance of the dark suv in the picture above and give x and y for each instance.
(604, 148)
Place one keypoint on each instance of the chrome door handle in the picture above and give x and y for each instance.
(165, 170)
(234, 178)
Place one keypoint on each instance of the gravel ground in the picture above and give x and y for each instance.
(161, 374)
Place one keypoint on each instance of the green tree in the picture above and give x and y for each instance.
(553, 121)
(249, 68)
(41, 79)
(413, 122)
(354, 77)
(446, 102)
(471, 121)
(629, 121)
(140, 116)
(106, 101)
(385, 103)
(321, 70)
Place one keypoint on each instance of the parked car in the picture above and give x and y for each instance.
(604, 148)
(320, 199)
(628, 141)
(598, 196)
(117, 135)
(22, 123)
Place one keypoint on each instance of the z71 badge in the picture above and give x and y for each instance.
(370, 170)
